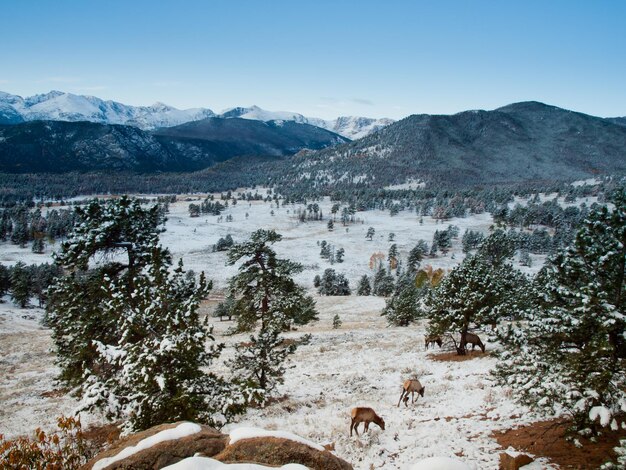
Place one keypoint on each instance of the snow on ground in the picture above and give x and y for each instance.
(361, 364)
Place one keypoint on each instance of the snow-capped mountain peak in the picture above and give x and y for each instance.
(61, 106)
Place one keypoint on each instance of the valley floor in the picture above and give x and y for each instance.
(363, 363)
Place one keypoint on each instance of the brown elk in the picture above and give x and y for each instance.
(411, 386)
(474, 340)
(366, 416)
(428, 340)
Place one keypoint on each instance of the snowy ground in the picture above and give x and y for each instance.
(361, 364)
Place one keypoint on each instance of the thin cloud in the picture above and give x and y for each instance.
(61, 80)
(362, 101)
(91, 88)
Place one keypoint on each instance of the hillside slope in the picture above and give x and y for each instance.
(58, 146)
(518, 142)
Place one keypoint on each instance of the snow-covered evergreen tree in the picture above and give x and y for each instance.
(384, 282)
(268, 299)
(365, 287)
(128, 335)
(570, 352)
(475, 293)
(332, 283)
(20, 289)
(404, 307)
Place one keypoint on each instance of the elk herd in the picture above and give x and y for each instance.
(410, 387)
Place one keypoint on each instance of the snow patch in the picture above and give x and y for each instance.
(206, 463)
(180, 431)
(440, 463)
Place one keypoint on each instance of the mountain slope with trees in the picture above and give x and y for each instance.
(58, 147)
(521, 141)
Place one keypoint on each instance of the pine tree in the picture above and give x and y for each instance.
(404, 307)
(417, 254)
(332, 283)
(129, 334)
(337, 321)
(20, 285)
(38, 245)
(570, 353)
(270, 299)
(383, 284)
(392, 256)
(475, 293)
(5, 281)
(365, 287)
(339, 255)
(370, 233)
(330, 225)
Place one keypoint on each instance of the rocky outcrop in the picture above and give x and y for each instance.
(279, 451)
(207, 441)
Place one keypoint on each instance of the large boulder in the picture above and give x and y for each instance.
(160, 446)
(280, 451)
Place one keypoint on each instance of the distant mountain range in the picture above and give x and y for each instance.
(61, 146)
(60, 106)
(518, 142)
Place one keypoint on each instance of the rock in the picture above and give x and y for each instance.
(279, 451)
(509, 462)
(207, 441)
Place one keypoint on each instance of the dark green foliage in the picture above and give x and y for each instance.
(364, 286)
(570, 352)
(370, 233)
(270, 299)
(129, 334)
(404, 307)
(225, 308)
(260, 365)
(38, 245)
(224, 244)
(471, 240)
(337, 321)
(416, 255)
(476, 292)
(21, 288)
(339, 255)
(332, 283)
(383, 284)
(5, 281)
(497, 248)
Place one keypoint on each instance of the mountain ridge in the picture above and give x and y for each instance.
(513, 143)
(62, 106)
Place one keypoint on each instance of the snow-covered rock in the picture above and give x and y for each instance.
(206, 463)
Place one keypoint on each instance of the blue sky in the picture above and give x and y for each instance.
(321, 58)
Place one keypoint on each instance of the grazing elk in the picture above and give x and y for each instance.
(411, 386)
(474, 340)
(433, 339)
(367, 416)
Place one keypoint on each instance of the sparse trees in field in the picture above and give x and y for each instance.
(332, 283)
